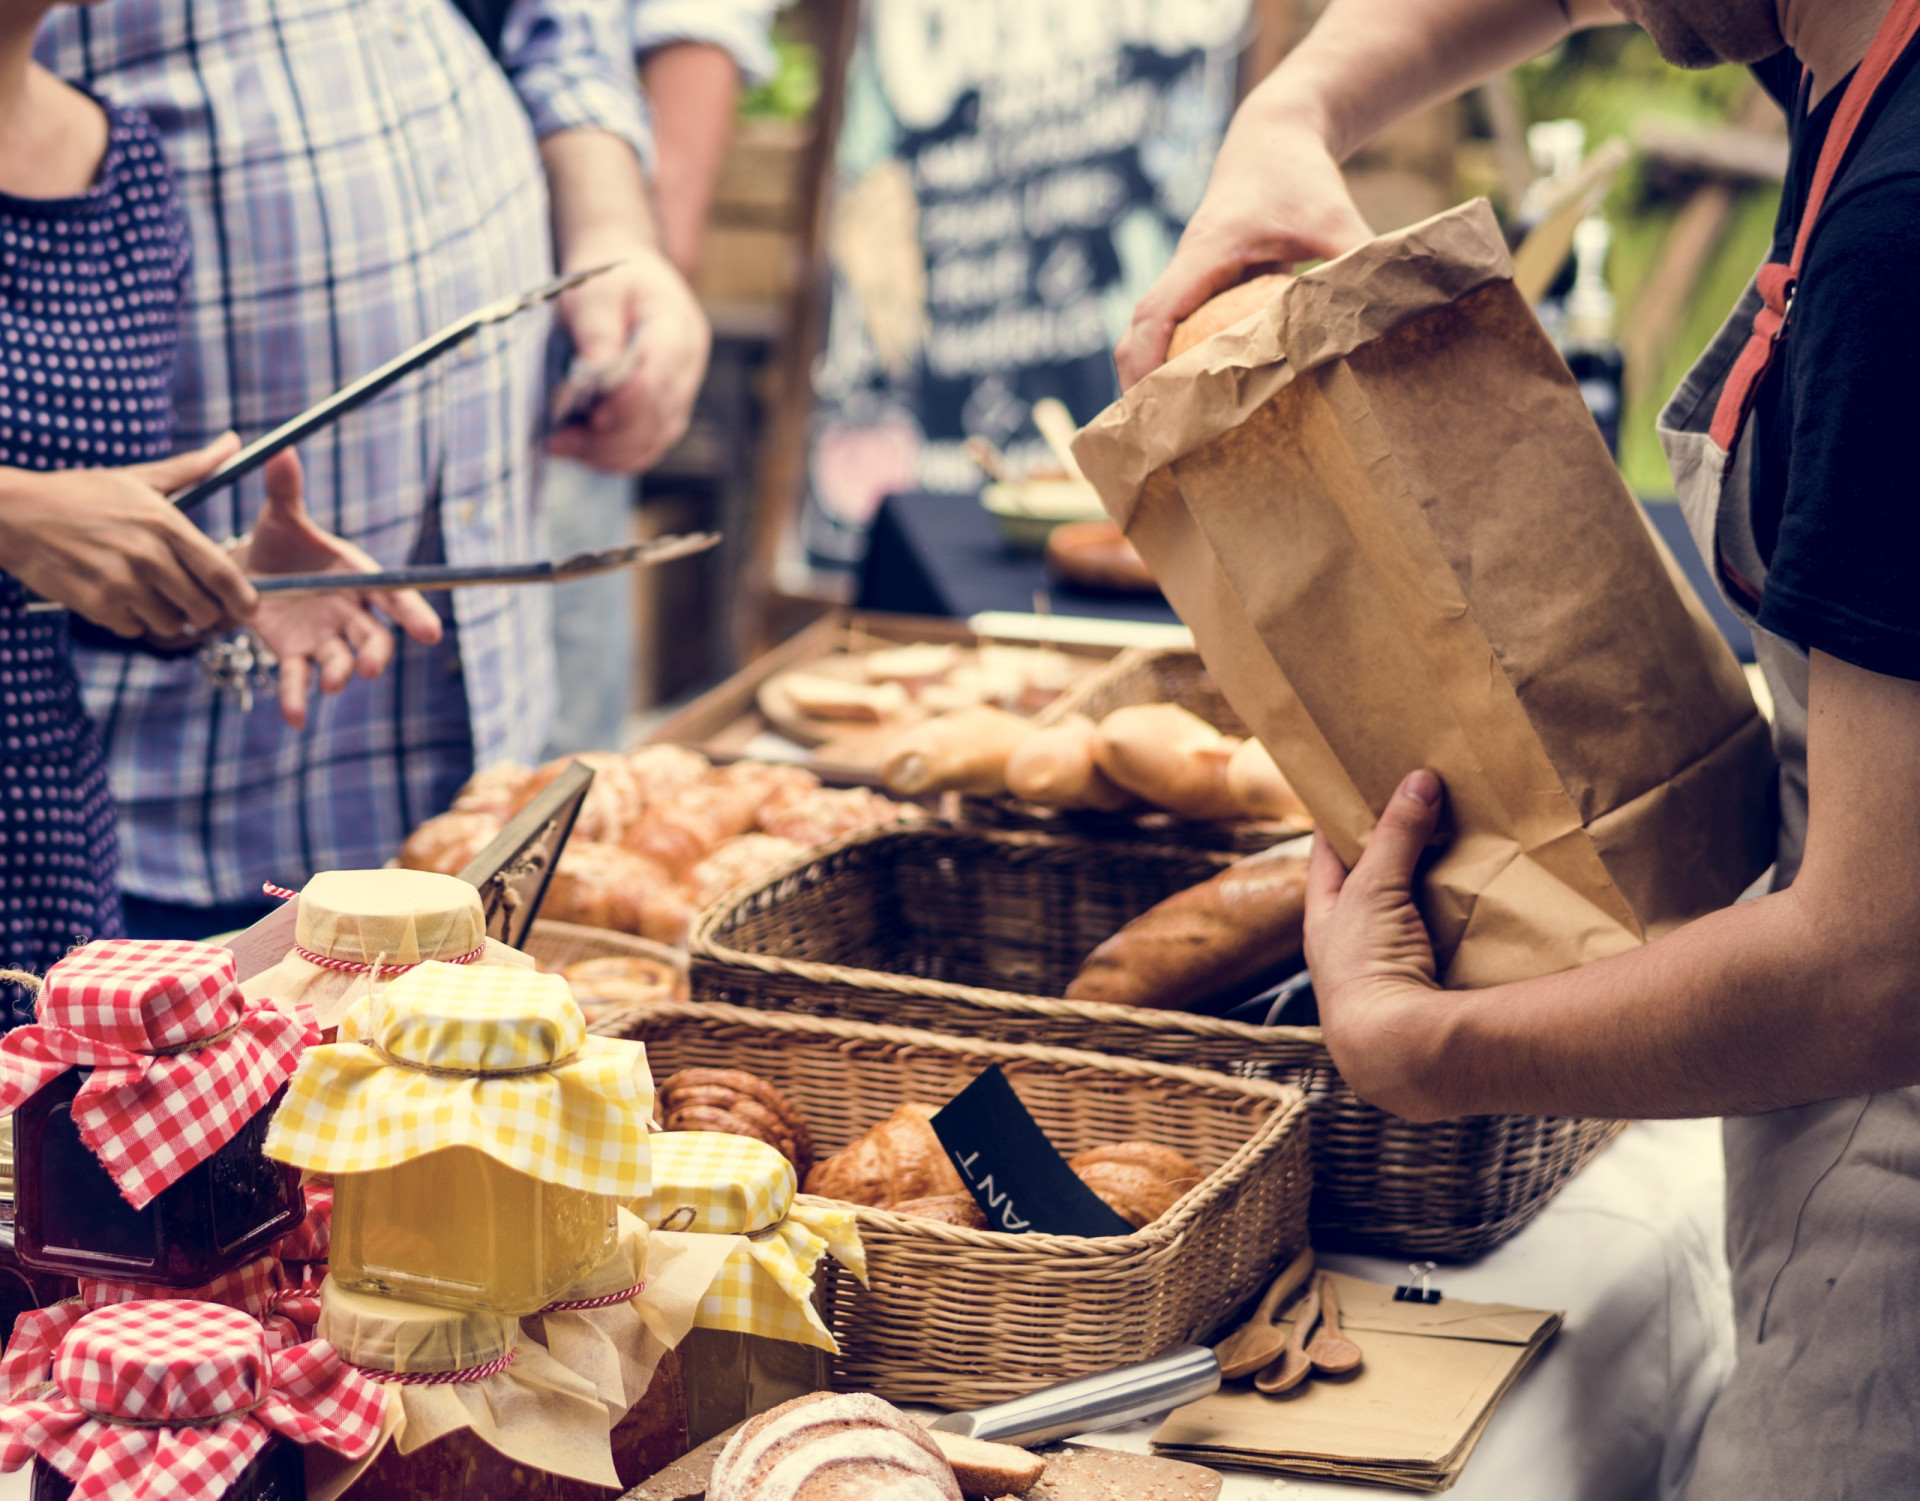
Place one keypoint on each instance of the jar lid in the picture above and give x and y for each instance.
(390, 1334)
(714, 1184)
(389, 917)
(472, 1021)
(142, 996)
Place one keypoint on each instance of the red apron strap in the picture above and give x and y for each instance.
(1776, 281)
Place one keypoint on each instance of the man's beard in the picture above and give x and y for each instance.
(1686, 46)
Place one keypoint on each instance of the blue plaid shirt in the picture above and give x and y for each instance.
(355, 173)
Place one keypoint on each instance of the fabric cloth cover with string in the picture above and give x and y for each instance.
(176, 1398)
(515, 1397)
(498, 1060)
(706, 1182)
(180, 1060)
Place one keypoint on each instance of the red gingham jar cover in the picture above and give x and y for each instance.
(285, 1301)
(175, 1398)
(180, 1060)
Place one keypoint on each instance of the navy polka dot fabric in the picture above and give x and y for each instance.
(89, 297)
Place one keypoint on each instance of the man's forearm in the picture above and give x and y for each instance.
(692, 88)
(598, 195)
(1366, 63)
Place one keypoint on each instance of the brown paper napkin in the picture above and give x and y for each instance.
(1409, 1417)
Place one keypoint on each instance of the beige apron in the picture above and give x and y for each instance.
(1823, 1201)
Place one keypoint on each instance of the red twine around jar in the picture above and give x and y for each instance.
(354, 966)
(605, 1300)
(437, 1378)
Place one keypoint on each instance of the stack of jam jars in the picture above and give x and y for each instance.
(479, 1145)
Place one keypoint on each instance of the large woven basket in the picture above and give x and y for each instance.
(1139, 676)
(977, 933)
(960, 1318)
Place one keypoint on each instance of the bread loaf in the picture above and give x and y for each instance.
(898, 1160)
(1260, 789)
(612, 801)
(836, 698)
(736, 1103)
(832, 1446)
(823, 814)
(965, 751)
(604, 886)
(945, 1209)
(734, 862)
(1170, 758)
(660, 769)
(1139, 1180)
(1235, 305)
(447, 842)
(494, 791)
(989, 1470)
(1054, 766)
(1205, 941)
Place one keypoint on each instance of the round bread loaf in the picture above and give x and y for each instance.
(1232, 306)
(832, 1446)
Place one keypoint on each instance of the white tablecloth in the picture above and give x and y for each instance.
(1632, 1251)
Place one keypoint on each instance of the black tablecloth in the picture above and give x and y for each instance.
(943, 555)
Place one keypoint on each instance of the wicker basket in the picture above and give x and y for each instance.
(969, 932)
(960, 1318)
(1140, 676)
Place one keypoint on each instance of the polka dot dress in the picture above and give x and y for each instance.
(89, 294)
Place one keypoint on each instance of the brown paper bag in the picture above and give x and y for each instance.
(1384, 511)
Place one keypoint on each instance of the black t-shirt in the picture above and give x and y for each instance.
(1837, 444)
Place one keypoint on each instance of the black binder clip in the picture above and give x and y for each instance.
(1425, 1293)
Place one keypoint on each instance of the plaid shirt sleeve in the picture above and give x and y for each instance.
(740, 27)
(571, 61)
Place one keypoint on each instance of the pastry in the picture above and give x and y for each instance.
(1169, 757)
(447, 843)
(737, 1103)
(961, 752)
(762, 782)
(680, 829)
(660, 769)
(826, 813)
(1055, 766)
(991, 1470)
(898, 1160)
(494, 791)
(1260, 789)
(734, 862)
(1235, 305)
(611, 802)
(604, 886)
(1205, 941)
(1139, 1180)
(620, 980)
(947, 1209)
(832, 1446)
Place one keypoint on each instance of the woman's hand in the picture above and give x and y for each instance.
(108, 545)
(331, 635)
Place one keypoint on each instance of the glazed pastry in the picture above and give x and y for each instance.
(680, 829)
(1054, 766)
(764, 782)
(827, 813)
(947, 1209)
(737, 1103)
(611, 802)
(659, 769)
(965, 751)
(1169, 757)
(495, 791)
(1261, 790)
(604, 886)
(832, 1446)
(447, 843)
(734, 862)
(1139, 1180)
(1205, 941)
(898, 1160)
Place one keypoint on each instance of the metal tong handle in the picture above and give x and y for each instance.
(1106, 1400)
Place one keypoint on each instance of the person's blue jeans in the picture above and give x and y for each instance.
(593, 618)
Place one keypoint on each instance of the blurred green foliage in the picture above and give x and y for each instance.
(793, 90)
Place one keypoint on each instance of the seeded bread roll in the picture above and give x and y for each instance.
(832, 1446)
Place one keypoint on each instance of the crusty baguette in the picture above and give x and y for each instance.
(965, 751)
(1232, 306)
(989, 1470)
(1204, 941)
(1055, 767)
(1261, 788)
(1170, 758)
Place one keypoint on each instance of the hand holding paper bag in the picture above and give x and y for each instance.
(1386, 514)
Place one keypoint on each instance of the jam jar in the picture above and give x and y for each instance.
(277, 1473)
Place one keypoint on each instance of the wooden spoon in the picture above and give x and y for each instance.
(1253, 1345)
(1292, 1367)
(1331, 1352)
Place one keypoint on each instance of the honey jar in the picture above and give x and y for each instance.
(479, 1141)
(141, 1102)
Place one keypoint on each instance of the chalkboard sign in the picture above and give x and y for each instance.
(1010, 176)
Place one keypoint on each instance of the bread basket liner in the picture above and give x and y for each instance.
(393, 919)
(533, 1410)
(498, 1060)
(617, 1348)
(716, 1185)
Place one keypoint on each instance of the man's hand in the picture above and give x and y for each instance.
(1276, 197)
(108, 545)
(630, 427)
(335, 635)
(1370, 956)
(600, 215)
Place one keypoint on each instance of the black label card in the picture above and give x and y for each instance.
(1017, 1177)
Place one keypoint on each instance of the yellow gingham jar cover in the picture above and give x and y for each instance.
(713, 1184)
(461, 1056)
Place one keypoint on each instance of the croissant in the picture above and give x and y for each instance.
(945, 1209)
(1139, 1180)
(737, 1103)
(898, 1160)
